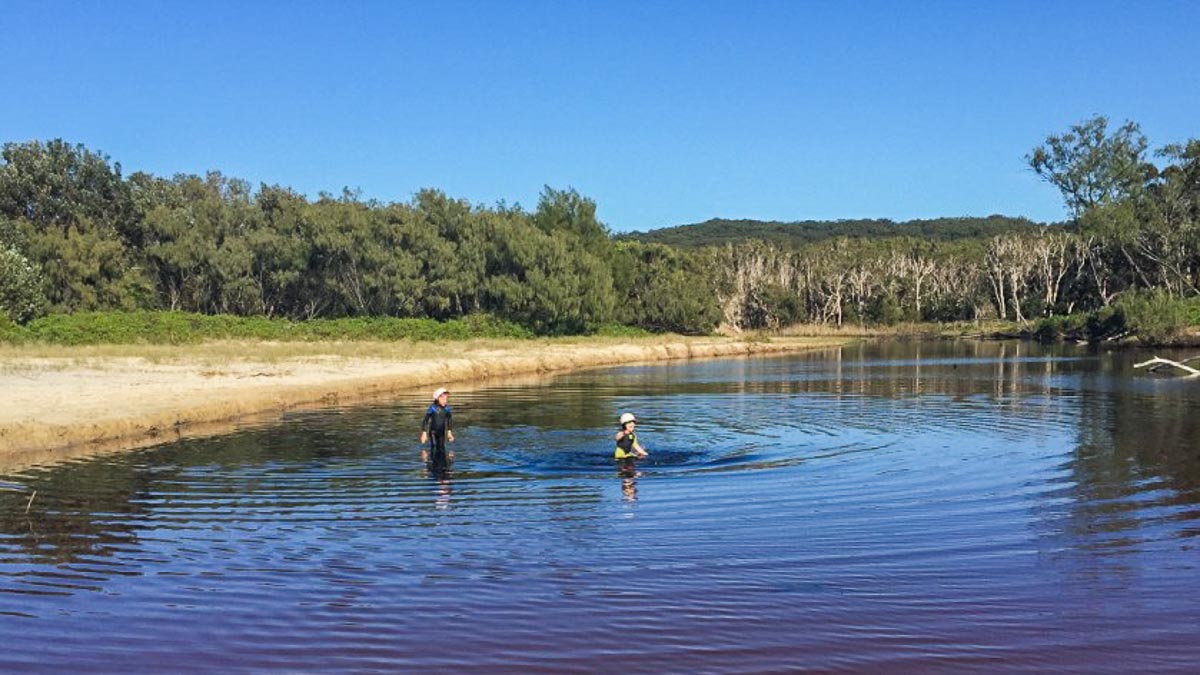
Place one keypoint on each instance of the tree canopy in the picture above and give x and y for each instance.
(77, 235)
(719, 231)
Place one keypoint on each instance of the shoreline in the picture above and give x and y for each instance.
(76, 404)
(1187, 337)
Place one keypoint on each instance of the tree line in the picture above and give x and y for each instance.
(720, 231)
(1134, 232)
(77, 235)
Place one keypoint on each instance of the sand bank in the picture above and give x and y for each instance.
(68, 404)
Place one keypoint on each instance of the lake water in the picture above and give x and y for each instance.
(916, 507)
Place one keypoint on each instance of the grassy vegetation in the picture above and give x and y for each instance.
(618, 330)
(165, 337)
(117, 328)
(947, 329)
(33, 357)
(1149, 318)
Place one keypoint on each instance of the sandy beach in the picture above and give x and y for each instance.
(58, 403)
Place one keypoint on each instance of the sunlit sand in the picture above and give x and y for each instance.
(58, 402)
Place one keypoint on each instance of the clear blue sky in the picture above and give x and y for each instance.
(663, 112)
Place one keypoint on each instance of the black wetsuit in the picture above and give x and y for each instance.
(436, 423)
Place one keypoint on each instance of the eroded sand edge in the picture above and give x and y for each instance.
(52, 409)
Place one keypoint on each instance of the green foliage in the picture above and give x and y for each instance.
(620, 330)
(1154, 316)
(1092, 167)
(663, 289)
(86, 270)
(12, 236)
(544, 281)
(780, 306)
(21, 297)
(886, 310)
(1064, 327)
(186, 328)
(339, 267)
(111, 328)
(1105, 323)
(1141, 221)
(567, 211)
(55, 184)
(212, 245)
(78, 223)
(718, 231)
(9, 331)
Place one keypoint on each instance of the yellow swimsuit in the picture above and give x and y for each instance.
(625, 447)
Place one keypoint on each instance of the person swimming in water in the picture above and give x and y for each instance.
(628, 447)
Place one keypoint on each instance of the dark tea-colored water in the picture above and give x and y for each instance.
(905, 507)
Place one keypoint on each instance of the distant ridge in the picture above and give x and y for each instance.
(719, 231)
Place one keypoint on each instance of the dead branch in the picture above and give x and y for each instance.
(1157, 361)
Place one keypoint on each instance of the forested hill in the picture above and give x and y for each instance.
(721, 231)
(78, 235)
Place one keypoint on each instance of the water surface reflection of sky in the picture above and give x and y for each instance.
(912, 506)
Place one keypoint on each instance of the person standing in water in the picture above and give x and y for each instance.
(628, 447)
(437, 429)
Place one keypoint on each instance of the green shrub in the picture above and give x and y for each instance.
(620, 330)
(886, 310)
(21, 297)
(1070, 327)
(1105, 323)
(184, 328)
(9, 331)
(1189, 312)
(1151, 315)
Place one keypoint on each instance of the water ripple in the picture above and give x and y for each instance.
(964, 511)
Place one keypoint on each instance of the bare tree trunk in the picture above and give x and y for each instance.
(1009, 261)
(1050, 251)
(995, 274)
(861, 283)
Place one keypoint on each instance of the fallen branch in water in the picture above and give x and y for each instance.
(1156, 362)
